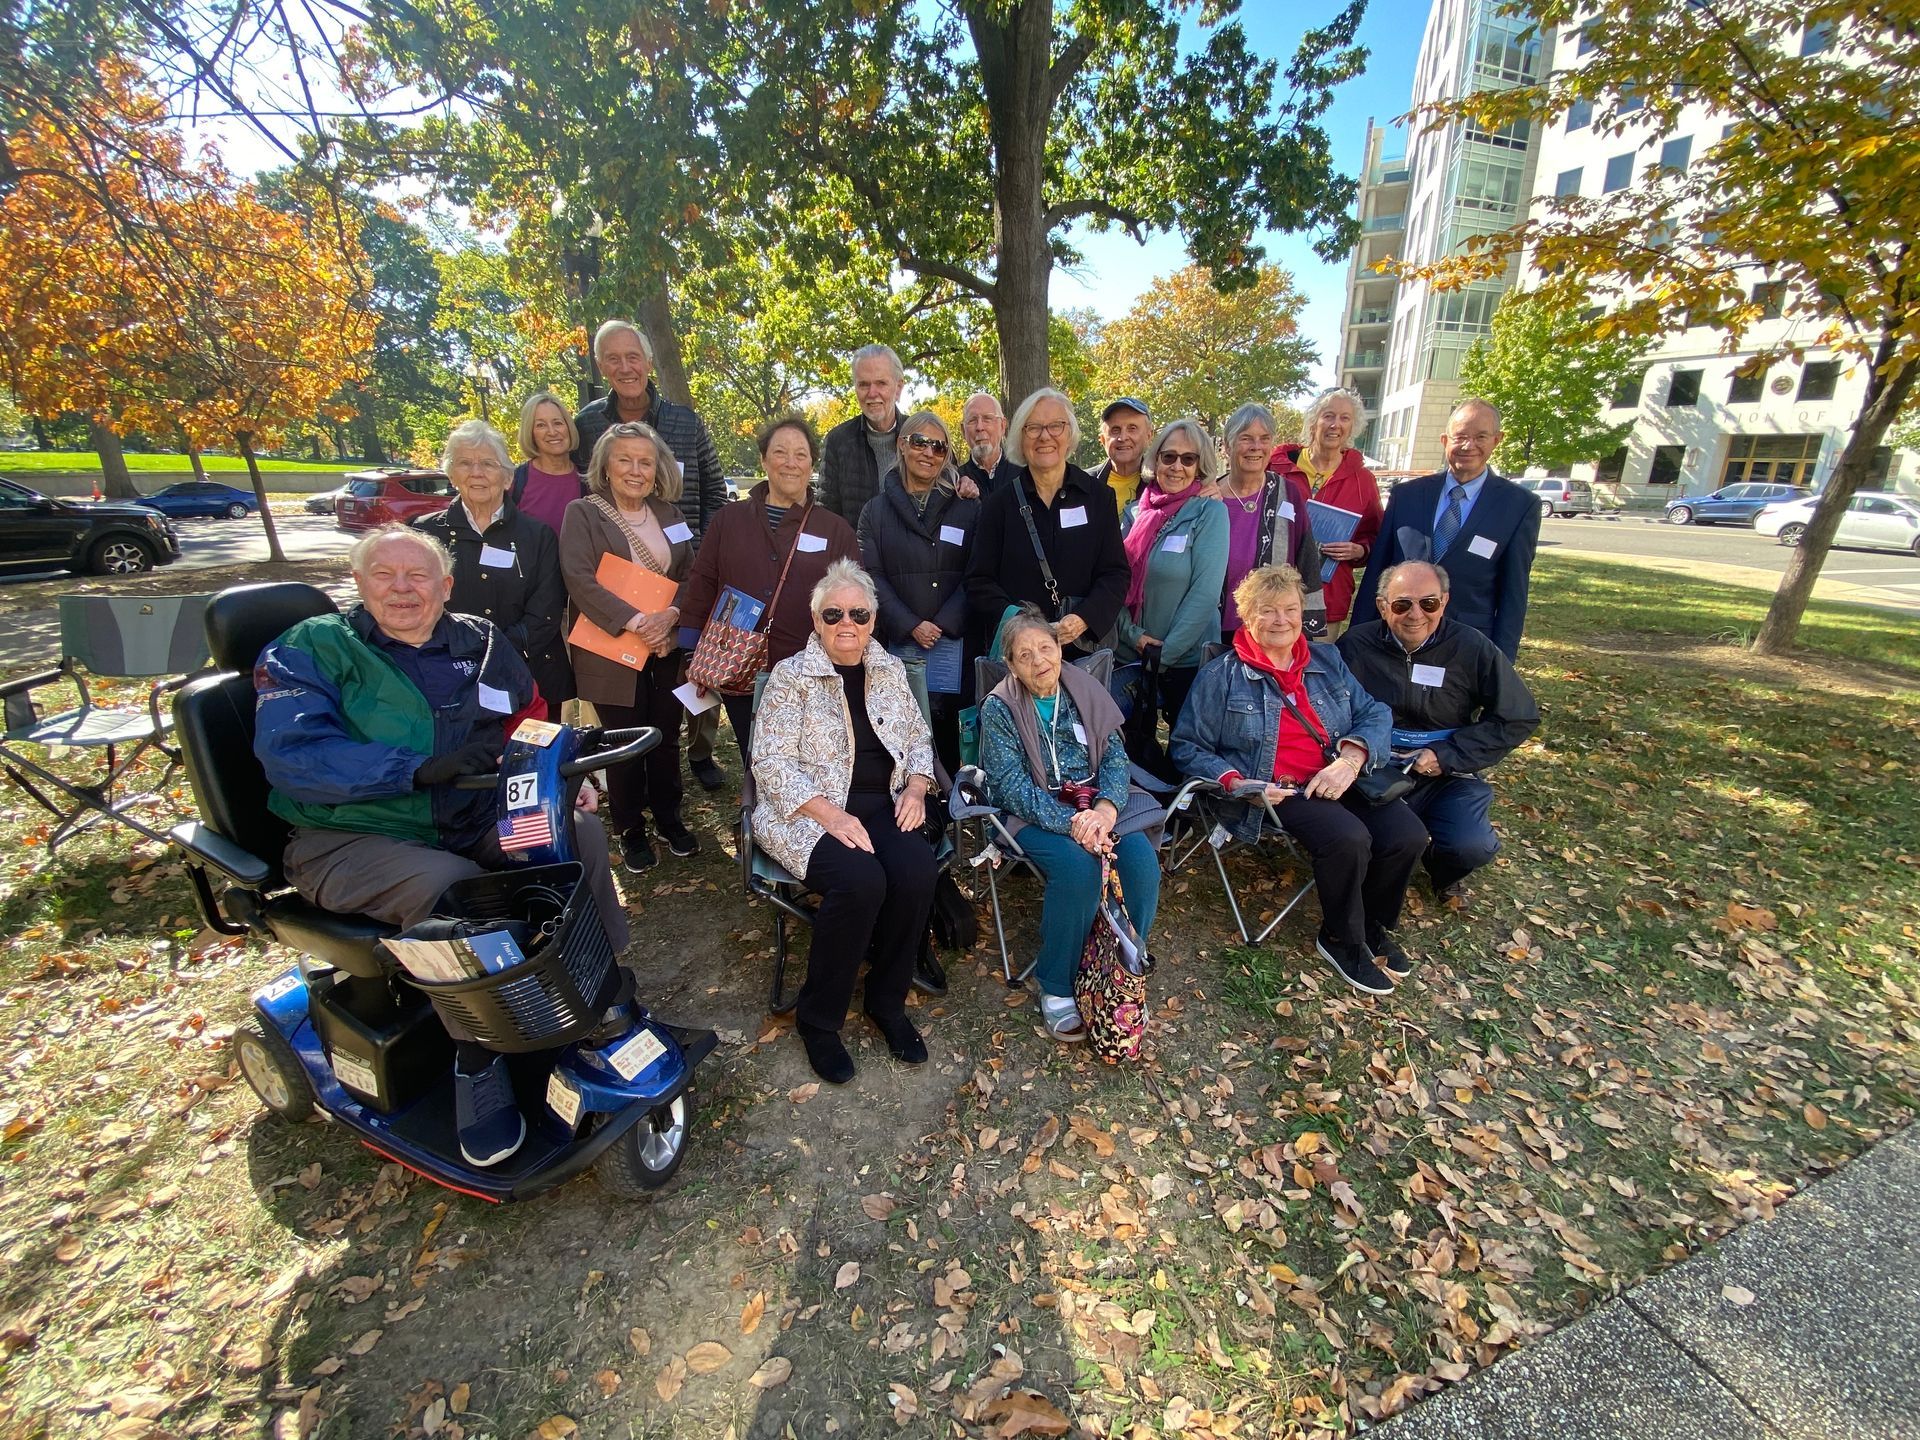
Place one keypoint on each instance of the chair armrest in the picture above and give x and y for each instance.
(210, 847)
(167, 687)
(31, 682)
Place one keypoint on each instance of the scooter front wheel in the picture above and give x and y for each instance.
(644, 1159)
(273, 1070)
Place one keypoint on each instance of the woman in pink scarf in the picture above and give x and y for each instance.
(1176, 542)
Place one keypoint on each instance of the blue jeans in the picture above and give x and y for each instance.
(1073, 895)
(1455, 810)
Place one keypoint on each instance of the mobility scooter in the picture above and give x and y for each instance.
(350, 1032)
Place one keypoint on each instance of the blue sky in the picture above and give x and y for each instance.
(1118, 270)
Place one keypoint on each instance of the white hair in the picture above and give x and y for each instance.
(844, 575)
(1244, 417)
(1209, 467)
(877, 352)
(1015, 445)
(475, 435)
(977, 395)
(1326, 398)
(361, 555)
(609, 328)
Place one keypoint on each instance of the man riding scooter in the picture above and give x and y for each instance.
(364, 721)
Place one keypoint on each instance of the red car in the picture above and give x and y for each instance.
(373, 498)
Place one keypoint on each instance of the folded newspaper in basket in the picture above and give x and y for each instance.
(460, 957)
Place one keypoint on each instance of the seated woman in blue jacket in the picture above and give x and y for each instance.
(1284, 721)
(1050, 744)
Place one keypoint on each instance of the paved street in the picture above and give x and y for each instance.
(1737, 557)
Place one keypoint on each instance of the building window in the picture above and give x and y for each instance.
(1747, 389)
(1818, 38)
(1619, 173)
(1584, 44)
(1675, 154)
(1632, 98)
(1667, 460)
(1514, 135)
(1627, 393)
(1772, 459)
(1489, 186)
(1506, 50)
(1579, 115)
(1818, 380)
(1466, 312)
(1567, 184)
(1771, 297)
(1683, 389)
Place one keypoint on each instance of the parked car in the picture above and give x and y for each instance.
(1875, 520)
(372, 498)
(1730, 504)
(105, 537)
(202, 498)
(1561, 497)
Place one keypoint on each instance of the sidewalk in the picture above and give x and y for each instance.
(1828, 1346)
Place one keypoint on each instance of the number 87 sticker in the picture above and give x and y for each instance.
(523, 791)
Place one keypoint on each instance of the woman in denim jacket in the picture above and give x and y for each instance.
(1297, 761)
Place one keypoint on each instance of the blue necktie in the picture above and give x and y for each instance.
(1450, 518)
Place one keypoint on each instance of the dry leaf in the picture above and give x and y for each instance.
(555, 1427)
(1738, 1294)
(1024, 1413)
(365, 1343)
(457, 1401)
(69, 1248)
(707, 1357)
(670, 1380)
(800, 1094)
(608, 1381)
(777, 1371)
(641, 1342)
(877, 1207)
(1814, 1115)
(750, 1313)
(905, 1403)
(846, 1275)
(1091, 1134)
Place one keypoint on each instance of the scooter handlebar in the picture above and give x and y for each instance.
(629, 745)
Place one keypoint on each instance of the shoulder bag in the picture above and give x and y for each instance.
(727, 658)
(1380, 786)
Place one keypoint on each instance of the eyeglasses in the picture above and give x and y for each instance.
(928, 442)
(1179, 457)
(1052, 429)
(1428, 604)
(859, 614)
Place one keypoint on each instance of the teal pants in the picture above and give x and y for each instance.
(1073, 895)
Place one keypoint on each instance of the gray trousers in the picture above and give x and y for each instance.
(702, 731)
(398, 881)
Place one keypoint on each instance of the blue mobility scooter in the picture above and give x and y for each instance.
(347, 1030)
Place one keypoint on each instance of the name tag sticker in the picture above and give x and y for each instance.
(637, 1054)
(679, 534)
(498, 701)
(952, 535)
(1079, 732)
(1073, 515)
(1175, 544)
(1429, 674)
(494, 558)
(537, 732)
(811, 544)
(1286, 510)
(1483, 546)
(563, 1099)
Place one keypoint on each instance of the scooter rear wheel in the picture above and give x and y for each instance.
(273, 1070)
(644, 1159)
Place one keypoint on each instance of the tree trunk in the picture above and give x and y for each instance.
(1878, 409)
(40, 440)
(275, 555)
(116, 481)
(1016, 69)
(193, 459)
(655, 317)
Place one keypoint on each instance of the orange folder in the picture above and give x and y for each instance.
(639, 587)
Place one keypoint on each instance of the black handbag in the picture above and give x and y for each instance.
(1380, 786)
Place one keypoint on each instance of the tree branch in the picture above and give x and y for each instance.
(943, 270)
(1072, 58)
(1134, 225)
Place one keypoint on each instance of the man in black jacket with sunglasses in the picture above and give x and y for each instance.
(1459, 707)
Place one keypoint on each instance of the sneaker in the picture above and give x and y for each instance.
(826, 1054)
(680, 840)
(1353, 964)
(636, 853)
(1388, 955)
(904, 1042)
(929, 975)
(1062, 1016)
(710, 775)
(489, 1121)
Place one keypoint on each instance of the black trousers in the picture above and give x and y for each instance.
(653, 782)
(740, 717)
(1144, 745)
(1363, 858)
(870, 905)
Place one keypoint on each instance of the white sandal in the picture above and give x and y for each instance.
(1062, 1016)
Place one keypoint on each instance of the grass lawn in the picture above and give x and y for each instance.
(1690, 984)
(29, 462)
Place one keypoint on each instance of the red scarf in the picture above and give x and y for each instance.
(1155, 509)
(1298, 755)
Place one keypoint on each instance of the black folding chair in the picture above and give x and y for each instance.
(104, 637)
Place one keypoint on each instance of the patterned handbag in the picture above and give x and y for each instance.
(727, 658)
(1111, 986)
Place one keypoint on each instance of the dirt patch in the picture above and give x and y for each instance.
(168, 580)
(1833, 674)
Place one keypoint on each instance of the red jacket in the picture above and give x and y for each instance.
(1351, 487)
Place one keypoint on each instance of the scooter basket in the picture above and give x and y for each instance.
(553, 997)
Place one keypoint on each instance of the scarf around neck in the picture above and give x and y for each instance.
(1099, 716)
(1156, 508)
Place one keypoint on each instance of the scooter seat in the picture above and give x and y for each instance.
(350, 942)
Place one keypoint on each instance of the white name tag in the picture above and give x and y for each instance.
(679, 534)
(563, 1099)
(1174, 544)
(952, 535)
(494, 558)
(1079, 732)
(498, 701)
(1286, 510)
(1429, 674)
(811, 544)
(637, 1054)
(1073, 515)
(1483, 546)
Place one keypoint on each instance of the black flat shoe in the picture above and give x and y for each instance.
(827, 1055)
(1388, 955)
(710, 775)
(904, 1042)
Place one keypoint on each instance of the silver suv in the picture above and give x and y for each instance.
(1561, 497)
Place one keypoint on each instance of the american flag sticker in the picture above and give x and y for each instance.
(526, 830)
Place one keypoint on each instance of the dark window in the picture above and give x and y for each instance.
(1878, 465)
(1817, 38)
(1684, 389)
(1584, 45)
(1747, 389)
(1818, 380)
(1568, 183)
(1619, 173)
(1627, 393)
(1631, 99)
(1609, 470)
(1579, 115)
(366, 487)
(1667, 460)
(1675, 154)
(1771, 297)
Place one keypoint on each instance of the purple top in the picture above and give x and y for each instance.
(547, 496)
(1243, 548)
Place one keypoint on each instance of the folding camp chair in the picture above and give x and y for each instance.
(1210, 833)
(767, 879)
(104, 637)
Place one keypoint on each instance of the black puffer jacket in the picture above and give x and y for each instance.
(526, 596)
(918, 560)
(849, 473)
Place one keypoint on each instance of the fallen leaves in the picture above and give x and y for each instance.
(671, 1379)
(555, 1427)
(775, 1372)
(751, 1312)
(878, 1207)
(365, 1343)
(707, 1357)
(1738, 1294)
(847, 1274)
(800, 1094)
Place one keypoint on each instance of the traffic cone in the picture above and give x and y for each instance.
(96, 489)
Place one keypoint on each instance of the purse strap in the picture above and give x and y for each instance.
(1046, 570)
(641, 554)
(766, 620)
(1327, 747)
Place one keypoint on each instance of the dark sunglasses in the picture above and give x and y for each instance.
(1179, 457)
(860, 615)
(1428, 604)
(928, 442)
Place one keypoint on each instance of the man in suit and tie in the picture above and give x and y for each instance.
(1481, 526)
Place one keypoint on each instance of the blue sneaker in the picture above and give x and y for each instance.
(490, 1123)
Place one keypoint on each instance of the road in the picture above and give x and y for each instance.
(1738, 557)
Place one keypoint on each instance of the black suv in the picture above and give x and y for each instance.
(104, 537)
